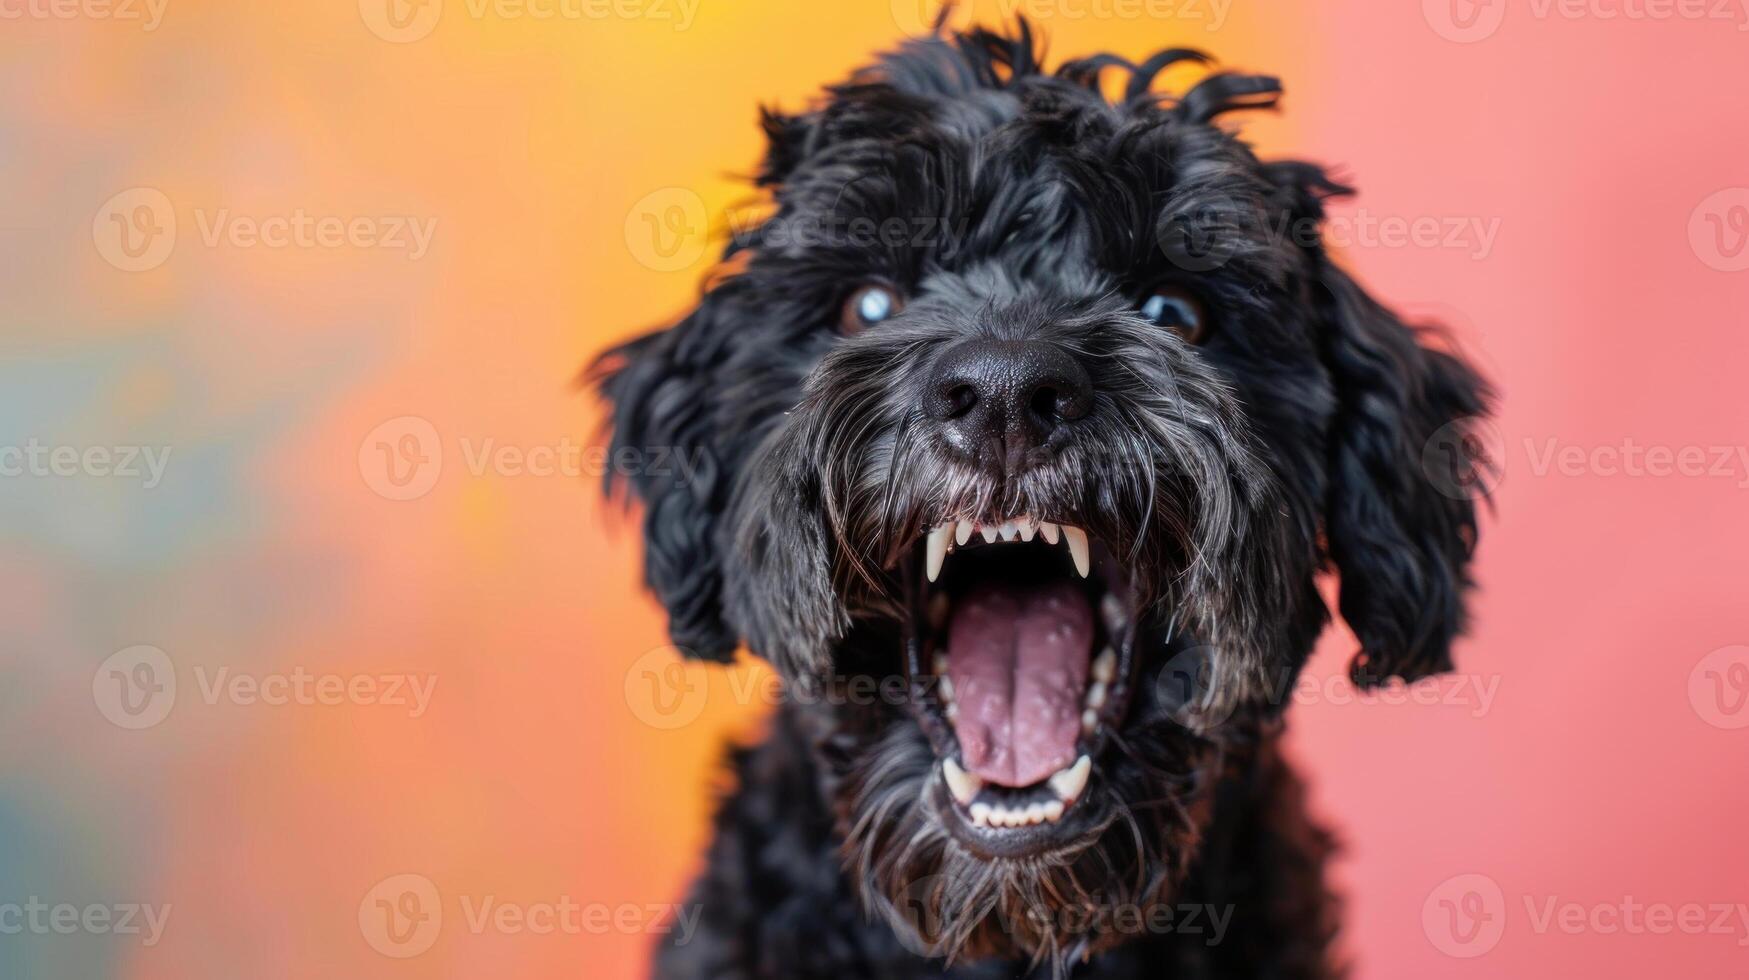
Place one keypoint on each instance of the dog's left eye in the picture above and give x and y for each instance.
(868, 306)
(1178, 308)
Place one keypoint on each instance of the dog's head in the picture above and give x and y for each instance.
(1051, 408)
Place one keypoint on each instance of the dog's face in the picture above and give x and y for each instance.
(1052, 409)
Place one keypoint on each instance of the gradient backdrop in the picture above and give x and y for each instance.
(341, 261)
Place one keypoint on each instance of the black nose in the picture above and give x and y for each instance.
(1002, 399)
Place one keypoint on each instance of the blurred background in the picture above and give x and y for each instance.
(322, 658)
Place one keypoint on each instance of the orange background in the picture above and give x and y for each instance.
(1606, 767)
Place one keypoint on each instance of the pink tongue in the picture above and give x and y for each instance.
(1017, 656)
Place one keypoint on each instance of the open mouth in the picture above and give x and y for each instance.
(1019, 647)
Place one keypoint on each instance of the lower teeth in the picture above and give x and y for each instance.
(1067, 784)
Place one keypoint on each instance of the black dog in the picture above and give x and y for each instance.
(1028, 421)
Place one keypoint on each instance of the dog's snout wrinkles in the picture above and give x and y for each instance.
(1006, 397)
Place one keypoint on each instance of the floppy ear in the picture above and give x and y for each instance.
(1401, 537)
(659, 387)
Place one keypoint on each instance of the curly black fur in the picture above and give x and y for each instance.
(1227, 476)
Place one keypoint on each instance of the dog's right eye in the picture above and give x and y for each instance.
(868, 306)
(1178, 308)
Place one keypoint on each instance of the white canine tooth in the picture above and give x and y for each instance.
(1089, 720)
(963, 533)
(937, 551)
(1095, 695)
(1104, 666)
(963, 785)
(988, 532)
(1049, 530)
(1028, 528)
(952, 711)
(981, 814)
(1069, 782)
(1053, 810)
(1111, 610)
(947, 689)
(1077, 539)
(939, 664)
